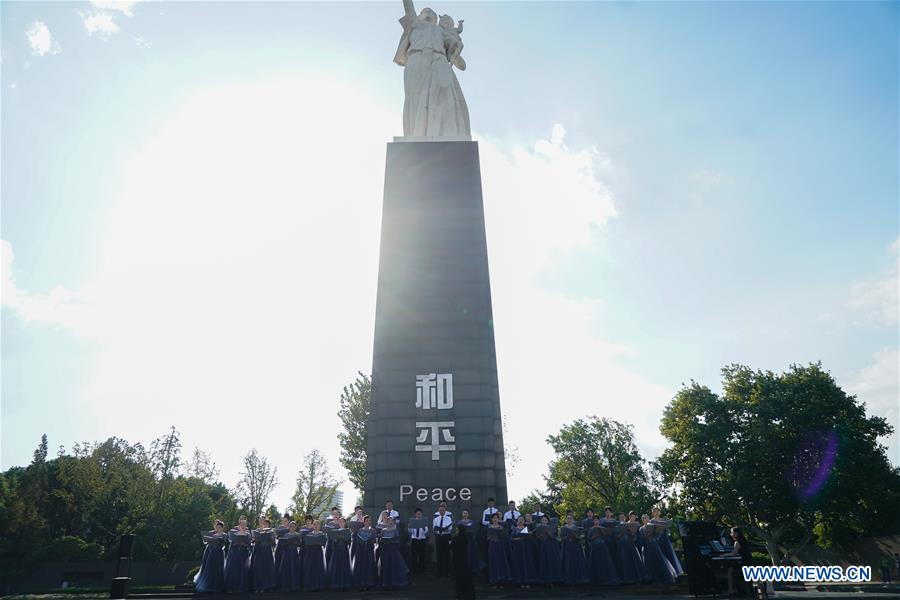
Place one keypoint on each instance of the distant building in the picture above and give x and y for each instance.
(324, 508)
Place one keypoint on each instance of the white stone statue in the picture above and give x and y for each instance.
(433, 105)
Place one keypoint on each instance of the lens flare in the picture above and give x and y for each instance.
(813, 462)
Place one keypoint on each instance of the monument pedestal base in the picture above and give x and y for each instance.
(435, 428)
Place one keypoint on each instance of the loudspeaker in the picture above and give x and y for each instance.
(126, 546)
(119, 589)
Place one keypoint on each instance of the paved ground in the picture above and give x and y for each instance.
(515, 595)
(502, 595)
(856, 592)
(442, 589)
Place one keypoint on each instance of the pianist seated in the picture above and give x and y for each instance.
(737, 587)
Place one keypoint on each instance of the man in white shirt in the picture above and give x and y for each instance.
(389, 509)
(419, 547)
(443, 526)
(512, 514)
(490, 510)
(537, 514)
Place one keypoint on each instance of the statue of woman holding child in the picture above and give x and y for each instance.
(433, 104)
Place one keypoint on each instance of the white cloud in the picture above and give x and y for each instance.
(60, 307)
(41, 40)
(879, 297)
(99, 22)
(123, 6)
(550, 197)
(878, 385)
(239, 271)
(543, 204)
(103, 21)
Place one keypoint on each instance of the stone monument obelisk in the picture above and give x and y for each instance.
(435, 430)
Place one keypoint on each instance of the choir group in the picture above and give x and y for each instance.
(515, 549)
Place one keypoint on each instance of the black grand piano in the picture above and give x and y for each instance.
(707, 557)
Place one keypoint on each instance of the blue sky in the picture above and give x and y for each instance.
(191, 198)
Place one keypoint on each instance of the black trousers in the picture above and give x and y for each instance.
(418, 552)
(442, 545)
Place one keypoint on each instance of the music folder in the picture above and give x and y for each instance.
(339, 534)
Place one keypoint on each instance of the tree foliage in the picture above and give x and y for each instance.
(202, 467)
(316, 487)
(790, 454)
(510, 452)
(76, 506)
(356, 400)
(165, 460)
(548, 501)
(258, 479)
(598, 463)
(40, 454)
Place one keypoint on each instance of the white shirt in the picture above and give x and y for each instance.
(445, 522)
(486, 515)
(537, 515)
(393, 513)
(419, 534)
(511, 515)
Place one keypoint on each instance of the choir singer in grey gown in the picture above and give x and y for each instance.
(665, 542)
(262, 560)
(237, 568)
(658, 567)
(211, 577)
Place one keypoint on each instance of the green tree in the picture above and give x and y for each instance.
(356, 401)
(598, 463)
(791, 455)
(22, 530)
(510, 453)
(77, 505)
(40, 455)
(273, 515)
(315, 489)
(191, 507)
(548, 502)
(37, 485)
(165, 460)
(258, 479)
(69, 548)
(202, 467)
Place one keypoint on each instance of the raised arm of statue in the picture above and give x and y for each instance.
(406, 21)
